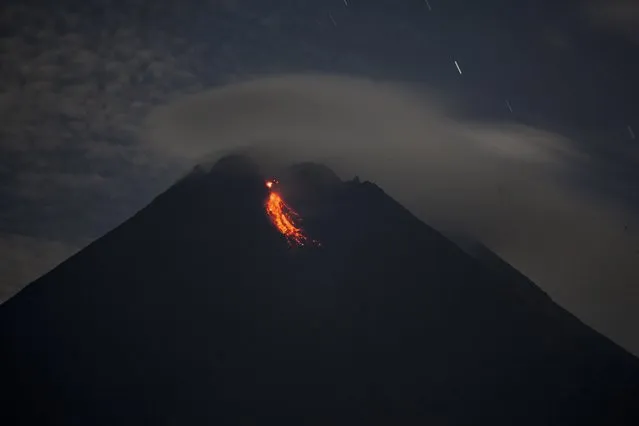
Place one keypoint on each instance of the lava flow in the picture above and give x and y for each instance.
(283, 217)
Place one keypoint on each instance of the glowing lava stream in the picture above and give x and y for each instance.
(283, 217)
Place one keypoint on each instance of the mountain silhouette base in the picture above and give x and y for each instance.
(197, 310)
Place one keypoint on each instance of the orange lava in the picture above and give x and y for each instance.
(283, 217)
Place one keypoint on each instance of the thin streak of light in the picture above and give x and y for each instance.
(510, 108)
(346, 3)
(632, 133)
(332, 19)
(428, 4)
(458, 68)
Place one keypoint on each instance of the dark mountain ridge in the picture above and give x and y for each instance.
(197, 310)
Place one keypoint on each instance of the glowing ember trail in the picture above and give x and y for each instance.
(283, 217)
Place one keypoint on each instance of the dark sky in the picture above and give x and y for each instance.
(544, 116)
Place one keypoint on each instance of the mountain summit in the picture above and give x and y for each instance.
(201, 309)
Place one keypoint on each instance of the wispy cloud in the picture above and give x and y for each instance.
(26, 258)
(620, 16)
(512, 187)
(72, 98)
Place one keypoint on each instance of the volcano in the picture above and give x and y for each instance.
(199, 310)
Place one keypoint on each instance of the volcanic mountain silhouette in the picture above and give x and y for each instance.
(198, 311)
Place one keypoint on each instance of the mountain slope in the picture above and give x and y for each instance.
(197, 310)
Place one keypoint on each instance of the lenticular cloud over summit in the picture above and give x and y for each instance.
(507, 185)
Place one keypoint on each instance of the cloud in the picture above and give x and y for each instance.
(64, 84)
(620, 16)
(510, 186)
(25, 258)
(72, 97)
(34, 185)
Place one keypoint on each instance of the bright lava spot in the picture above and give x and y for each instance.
(284, 217)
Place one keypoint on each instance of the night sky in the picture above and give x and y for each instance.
(513, 122)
